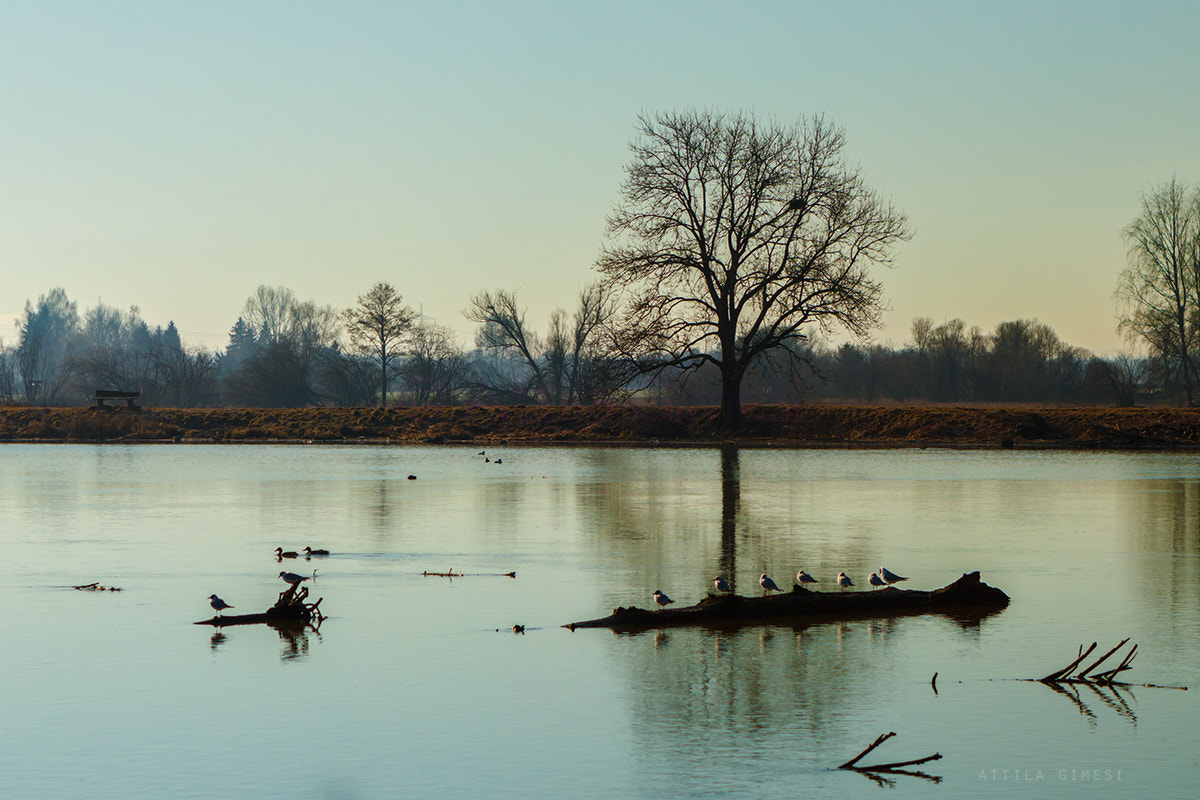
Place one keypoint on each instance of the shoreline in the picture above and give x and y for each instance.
(765, 426)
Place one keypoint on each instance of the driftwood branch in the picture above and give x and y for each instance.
(876, 771)
(1100, 682)
(883, 737)
(1059, 674)
(452, 574)
(1089, 675)
(1104, 657)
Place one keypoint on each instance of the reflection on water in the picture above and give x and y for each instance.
(1084, 695)
(731, 495)
(295, 639)
(293, 636)
(412, 686)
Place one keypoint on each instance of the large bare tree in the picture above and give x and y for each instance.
(732, 236)
(1159, 292)
(378, 325)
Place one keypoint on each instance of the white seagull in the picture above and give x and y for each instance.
(661, 598)
(293, 578)
(721, 585)
(767, 584)
(843, 580)
(890, 576)
(803, 577)
(875, 580)
(218, 604)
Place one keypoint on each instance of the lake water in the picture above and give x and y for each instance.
(417, 686)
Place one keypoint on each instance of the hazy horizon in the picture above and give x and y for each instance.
(175, 157)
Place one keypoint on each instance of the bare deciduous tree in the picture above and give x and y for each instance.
(436, 370)
(1159, 292)
(731, 236)
(503, 332)
(572, 364)
(378, 325)
(268, 312)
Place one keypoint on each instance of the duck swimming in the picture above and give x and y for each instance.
(281, 553)
(309, 552)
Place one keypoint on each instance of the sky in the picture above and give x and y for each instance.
(176, 155)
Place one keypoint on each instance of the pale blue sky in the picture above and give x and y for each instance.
(175, 155)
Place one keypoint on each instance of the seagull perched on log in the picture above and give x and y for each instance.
(875, 580)
(721, 585)
(661, 598)
(218, 604)
(803, 577)
(843, 580)
(890, 576)
(293, 578)
(767, 584)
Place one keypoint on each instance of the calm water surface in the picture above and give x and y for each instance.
(417, 686)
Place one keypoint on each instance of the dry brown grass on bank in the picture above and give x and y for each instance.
(786, 426)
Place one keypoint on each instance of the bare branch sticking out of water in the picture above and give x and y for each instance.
(877, 772)
(452, 574)
(96, 587)
(1089, 674)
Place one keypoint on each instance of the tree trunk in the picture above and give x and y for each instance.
(383, 381)
(731, 399)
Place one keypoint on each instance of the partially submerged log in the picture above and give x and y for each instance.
(290, 610)
(966, 596)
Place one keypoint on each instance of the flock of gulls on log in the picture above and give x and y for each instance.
(220, 605)
(885, 577)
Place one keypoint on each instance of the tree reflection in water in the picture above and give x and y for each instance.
(731, 496)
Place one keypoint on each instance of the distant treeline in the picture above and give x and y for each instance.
(283, 352)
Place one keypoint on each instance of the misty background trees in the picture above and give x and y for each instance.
(284, 352)
(737, 252)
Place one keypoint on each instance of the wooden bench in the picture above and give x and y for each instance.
(110, 394)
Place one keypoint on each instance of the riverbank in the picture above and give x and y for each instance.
(776, 425)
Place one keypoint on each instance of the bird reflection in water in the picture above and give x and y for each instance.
(660, 639)
(217, 640)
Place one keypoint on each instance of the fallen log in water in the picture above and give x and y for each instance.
(967, 595)
(290, 610)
